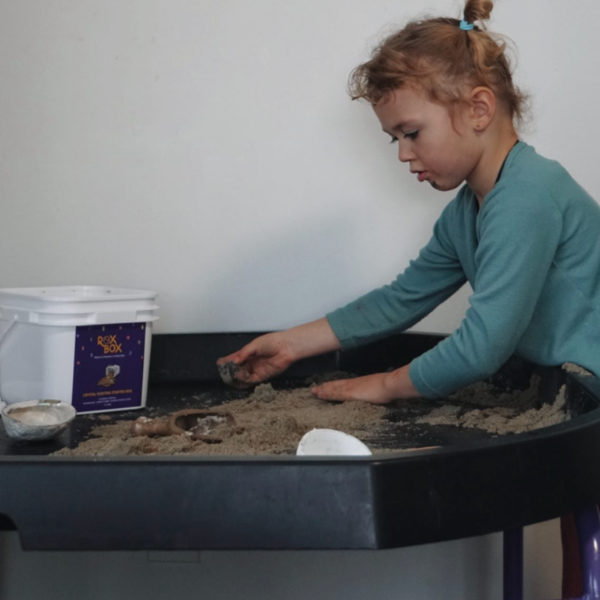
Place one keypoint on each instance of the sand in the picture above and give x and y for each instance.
(481, 406)
(272, 421)
(572, 368)
(268, 422)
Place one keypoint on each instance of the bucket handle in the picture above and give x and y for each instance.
(5, 328)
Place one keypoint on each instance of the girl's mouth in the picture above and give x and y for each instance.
(422, 175)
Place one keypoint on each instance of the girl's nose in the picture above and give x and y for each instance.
(405, 154)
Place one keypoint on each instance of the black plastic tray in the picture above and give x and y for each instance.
(474, 484)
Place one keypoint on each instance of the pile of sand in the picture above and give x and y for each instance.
(272, 422)
(481, 406)
(269, 421)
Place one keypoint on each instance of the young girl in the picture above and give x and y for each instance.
(520, 230)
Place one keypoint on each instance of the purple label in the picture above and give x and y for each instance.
(109, 367)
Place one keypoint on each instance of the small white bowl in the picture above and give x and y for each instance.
(36, 420)
(330, 442)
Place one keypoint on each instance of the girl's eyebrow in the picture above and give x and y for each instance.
(401, 126)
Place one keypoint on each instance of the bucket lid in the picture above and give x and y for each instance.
(76, 293)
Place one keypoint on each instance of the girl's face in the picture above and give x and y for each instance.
(441, 150)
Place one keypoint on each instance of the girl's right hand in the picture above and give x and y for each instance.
(271, 354)
(260, 360)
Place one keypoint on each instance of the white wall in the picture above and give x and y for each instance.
(458, 570)
(207, 149)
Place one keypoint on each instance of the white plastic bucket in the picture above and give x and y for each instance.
(85, 345)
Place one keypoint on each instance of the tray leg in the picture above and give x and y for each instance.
(588, 533)
(513, 564)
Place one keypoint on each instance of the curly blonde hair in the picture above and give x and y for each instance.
(438, 57)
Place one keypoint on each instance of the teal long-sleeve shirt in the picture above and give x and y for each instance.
(532, 256)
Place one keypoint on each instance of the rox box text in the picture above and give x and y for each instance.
(109, 344)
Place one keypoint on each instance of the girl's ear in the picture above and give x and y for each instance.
(482, 107)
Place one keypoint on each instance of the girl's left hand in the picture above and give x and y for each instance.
(380, 388)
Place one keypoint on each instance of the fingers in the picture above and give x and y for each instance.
(243, 377)
(333, 390)
(252, 364)
(238, 376)
(236, 358)
(237, 369)
(368, 389)
(243, 354)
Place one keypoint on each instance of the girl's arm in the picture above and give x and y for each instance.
(427, 281)
(434, 276)
(431, 278)
(520, 233)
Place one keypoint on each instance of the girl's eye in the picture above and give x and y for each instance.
(412, 135)
(393, 140)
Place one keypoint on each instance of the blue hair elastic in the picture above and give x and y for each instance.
(466, 26)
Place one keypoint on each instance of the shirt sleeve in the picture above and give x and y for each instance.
(428, 280)
(518, 239)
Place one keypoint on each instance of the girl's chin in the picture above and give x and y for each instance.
(444, 186)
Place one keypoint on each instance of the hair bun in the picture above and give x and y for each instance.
(478, 10)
